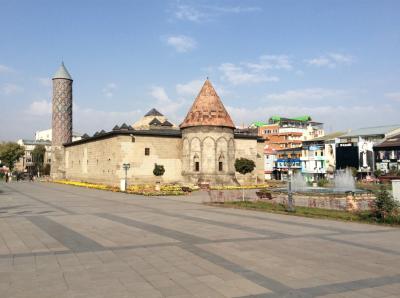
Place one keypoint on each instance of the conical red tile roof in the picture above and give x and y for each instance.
(207, 109)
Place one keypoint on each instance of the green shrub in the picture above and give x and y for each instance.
(322, 182)
(385, 205)
(158, 170)
(244, 165)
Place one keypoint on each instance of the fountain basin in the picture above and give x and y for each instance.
(322, 190)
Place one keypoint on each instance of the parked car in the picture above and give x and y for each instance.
(22, 176)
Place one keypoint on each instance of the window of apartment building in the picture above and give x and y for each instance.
(147, 151)
(220, 166)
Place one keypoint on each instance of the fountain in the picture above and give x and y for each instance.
(340, 194)
(344, 180)
(342, 183)
(298, 183)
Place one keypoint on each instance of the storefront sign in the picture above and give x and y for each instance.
(345, 144)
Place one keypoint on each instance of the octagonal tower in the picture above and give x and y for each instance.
(208, 142)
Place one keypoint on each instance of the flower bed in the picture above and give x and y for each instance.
(87, 185)
(145, 189)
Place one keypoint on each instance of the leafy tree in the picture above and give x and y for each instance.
(10, 153)
(158, 170)
(385, 204)
(244, 166)
(38, 156)
(46, 169)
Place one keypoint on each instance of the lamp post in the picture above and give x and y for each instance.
(290, 195)
(126, 167)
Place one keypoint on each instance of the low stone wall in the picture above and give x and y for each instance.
(350, 201)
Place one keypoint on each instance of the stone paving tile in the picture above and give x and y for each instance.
(108, 233)
(61, 241)
(203, 230)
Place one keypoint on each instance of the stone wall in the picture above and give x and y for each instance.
(100, 161)
(349, 202)
(208, 146)
(250, 149)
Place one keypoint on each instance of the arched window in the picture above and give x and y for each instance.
(221, 162)
(196, 163)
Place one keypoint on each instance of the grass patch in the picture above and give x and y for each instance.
(364, 216)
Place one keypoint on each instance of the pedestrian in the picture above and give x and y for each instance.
(7, 177)
(31, 177)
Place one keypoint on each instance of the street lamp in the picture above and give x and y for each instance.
(290, 195)
(126, 167)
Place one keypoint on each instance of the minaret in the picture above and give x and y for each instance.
(61, 119)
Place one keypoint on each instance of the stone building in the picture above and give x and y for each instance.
(26, 162)
(202, 149)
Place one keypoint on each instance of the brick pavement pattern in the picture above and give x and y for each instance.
(62, 241)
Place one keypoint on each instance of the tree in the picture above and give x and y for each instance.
(158, 171)
(385, 204)
(38, 156)
(10, 153)
(46, 169)
(244, 166)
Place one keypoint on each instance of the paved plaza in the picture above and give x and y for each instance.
(62, 241)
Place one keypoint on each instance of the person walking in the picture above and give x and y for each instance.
(7, 177)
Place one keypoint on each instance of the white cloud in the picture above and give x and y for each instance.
(87, 120)
(167, 106)
(191, 88)
(159, 93)
(202, 13)
(331, 60)
(235, 9)
(109, 89)
(9, 89)
(46, 82)
(181, 43)
(5, 69)
(39, 108)
(307, 94)
(189, 13)
(393, 96)
(271, 62)
(236, 75)
(350, 116)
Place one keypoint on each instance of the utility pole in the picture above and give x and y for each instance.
(290, 195)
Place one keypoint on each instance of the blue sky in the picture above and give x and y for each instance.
(337, 61)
